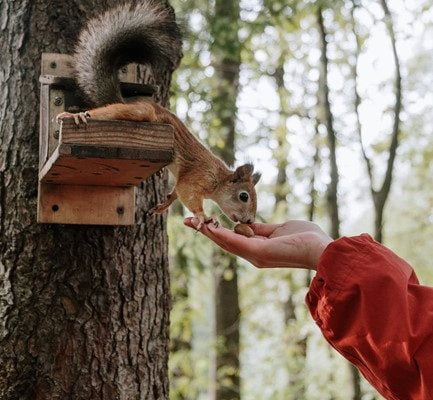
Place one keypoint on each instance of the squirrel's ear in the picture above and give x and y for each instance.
(242, 173)
(256, 177)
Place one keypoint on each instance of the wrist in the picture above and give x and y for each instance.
(318, 246)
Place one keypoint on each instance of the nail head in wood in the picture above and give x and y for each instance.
(58, 101)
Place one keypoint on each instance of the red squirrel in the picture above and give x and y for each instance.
(147, 33)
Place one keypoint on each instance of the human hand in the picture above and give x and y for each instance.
(291, 244)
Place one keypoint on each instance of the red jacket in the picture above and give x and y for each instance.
(371, 308)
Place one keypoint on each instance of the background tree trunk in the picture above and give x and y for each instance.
(182, 378)
(225, 49)
(281, 153)
(332, 195)
(380, 196)
(84, 310)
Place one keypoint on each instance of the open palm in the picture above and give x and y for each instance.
(291, 244)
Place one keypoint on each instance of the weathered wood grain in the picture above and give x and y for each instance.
(102, 166)
(126, 134)
(108, 153)
(87, 205)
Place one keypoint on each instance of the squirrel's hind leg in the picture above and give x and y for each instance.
(140, 111)
(78, 117)
(160, 208)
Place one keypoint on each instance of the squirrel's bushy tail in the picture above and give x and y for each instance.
(145, 33)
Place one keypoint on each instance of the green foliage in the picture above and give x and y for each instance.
(279, 126)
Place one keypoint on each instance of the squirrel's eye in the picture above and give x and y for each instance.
(243, 196)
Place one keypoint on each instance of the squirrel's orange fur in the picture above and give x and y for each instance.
(199, 173)
(146, 32)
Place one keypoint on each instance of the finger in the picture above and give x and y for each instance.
(233, 242)
(194, 222)
(228, 240)
(264, 229)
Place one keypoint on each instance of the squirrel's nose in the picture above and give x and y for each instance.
(249, 221)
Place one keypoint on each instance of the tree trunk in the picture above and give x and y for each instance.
(281, 153)
(295, 341)
(84, 310)
(225, 49)
(380, 196)
(227, 314)
(311, 210)
(182, 376)
(332, 195)
(181, 367)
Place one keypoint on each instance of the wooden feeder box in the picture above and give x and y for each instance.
(88, 173)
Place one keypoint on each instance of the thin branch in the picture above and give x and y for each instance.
(316, 160)
(397, 107)
(358, 98)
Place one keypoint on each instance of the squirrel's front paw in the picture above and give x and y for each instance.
(202, 220)
(212, 220)
(78, 117)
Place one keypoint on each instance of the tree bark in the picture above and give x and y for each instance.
(84, 310)
(225, 50)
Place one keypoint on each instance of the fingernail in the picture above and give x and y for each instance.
(194, 222)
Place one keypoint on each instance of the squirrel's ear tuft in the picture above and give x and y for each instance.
(242, 173)
(256, 177)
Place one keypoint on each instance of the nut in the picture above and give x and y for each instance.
(244, 229)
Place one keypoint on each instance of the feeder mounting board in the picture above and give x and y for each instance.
(88, 173)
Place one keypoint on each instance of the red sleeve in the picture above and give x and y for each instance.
(371, 308)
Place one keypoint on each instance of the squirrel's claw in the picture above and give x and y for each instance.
(212, 220)
(202, 220)
(83, 116)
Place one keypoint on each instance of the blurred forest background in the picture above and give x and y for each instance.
(332, 102)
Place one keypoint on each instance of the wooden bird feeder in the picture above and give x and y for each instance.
(88, 173)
